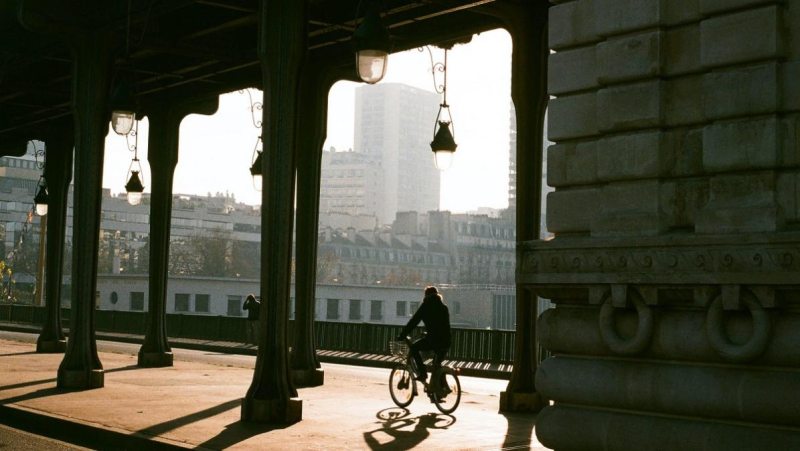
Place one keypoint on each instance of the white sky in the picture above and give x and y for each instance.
(216, 151)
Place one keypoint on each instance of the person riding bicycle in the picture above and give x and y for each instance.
(436, 316)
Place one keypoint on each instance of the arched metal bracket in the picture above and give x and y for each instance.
(254, 106)
(39, 154)
(439, 67)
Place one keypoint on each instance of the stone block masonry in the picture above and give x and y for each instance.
(621, 75)
(676, 215)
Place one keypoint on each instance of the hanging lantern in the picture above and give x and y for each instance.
(372, 44)
(123, 106)
(443, 146)
(134, 188)
(256, 172)
(257, 168)
(41, 200)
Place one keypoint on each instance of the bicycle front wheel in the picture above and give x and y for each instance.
(451, 395)
(402, 385)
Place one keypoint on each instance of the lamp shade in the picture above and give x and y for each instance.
(41, 200)
(123, 107)
(134, 188)
(443, 147)
(372, 44)
(256, 171)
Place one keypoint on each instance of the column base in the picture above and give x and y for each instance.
(51, 347)
(155, 359)
(521, 402)
(269, 411)
(79, 379)
(308, 378)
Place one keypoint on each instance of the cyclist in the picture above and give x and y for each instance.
(436, 316)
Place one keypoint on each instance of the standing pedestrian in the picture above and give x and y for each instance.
(253, 307)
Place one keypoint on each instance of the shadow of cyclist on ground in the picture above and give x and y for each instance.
(398, 431)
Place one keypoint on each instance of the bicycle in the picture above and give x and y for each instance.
(403, 381)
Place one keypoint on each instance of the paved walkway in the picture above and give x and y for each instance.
(196, 405)
(478, 369)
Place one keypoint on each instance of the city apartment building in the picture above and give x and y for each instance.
(432, 248)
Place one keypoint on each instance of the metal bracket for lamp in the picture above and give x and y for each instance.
(254, 106)
(443, 144)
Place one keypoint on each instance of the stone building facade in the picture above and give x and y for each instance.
(676, 259)
(471, 306)
(431, 248)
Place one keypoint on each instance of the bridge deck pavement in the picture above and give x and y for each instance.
(197, 406)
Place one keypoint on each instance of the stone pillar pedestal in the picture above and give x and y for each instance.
(165, 121)
(51, 346)
(272, 411)
(58, 173)
(520, 402)
(92, 52)
(308, 378)
(283, 52)
(154, 359)
(81, 379)
(528, 27)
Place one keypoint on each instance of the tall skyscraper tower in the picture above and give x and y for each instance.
(395, 122)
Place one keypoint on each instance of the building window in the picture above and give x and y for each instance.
(234, 306)
(114, 298)
(332, 312)
(137, 301)
(355, 309)
(402, 308)
(181, 302)
(201, 303)
(291, 308)
(376, 311)
(414, 308)
(457, 307)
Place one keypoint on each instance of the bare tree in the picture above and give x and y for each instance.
(326, 266)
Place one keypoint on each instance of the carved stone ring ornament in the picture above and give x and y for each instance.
(644, 333)
(715, 330)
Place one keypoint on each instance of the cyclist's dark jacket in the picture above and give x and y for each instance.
(436, 317)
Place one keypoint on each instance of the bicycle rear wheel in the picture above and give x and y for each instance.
(448, 402)
(402, 385)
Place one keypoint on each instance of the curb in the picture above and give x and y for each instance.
(83, 434)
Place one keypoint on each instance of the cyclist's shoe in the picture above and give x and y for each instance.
(403, 384)
(443, 388)
(440, 392)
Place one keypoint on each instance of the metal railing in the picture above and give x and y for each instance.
(474, 345)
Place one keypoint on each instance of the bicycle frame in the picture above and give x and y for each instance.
(413, 370)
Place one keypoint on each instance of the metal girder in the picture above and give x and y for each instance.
(211, 59)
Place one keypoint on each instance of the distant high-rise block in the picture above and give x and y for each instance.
(394, 123)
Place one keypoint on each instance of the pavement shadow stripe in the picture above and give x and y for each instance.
(81, 434)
